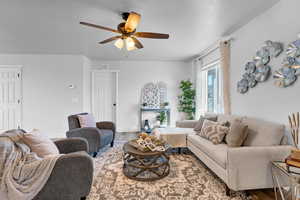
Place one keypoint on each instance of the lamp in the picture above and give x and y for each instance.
(130, 45)
(132, 22)
(119, 43)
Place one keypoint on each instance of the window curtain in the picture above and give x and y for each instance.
(225, 73)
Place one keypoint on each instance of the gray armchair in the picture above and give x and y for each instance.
(72, 175)
(97, 137)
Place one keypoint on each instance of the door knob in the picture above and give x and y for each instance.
(114, 104)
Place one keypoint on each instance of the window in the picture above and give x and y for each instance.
(209, 87)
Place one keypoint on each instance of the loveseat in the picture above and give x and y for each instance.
(249, 166)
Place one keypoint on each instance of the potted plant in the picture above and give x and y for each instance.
(162, 118)
(187, 99)
(166, 104)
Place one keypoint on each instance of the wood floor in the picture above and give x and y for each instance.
(255, 194)
(262, 194)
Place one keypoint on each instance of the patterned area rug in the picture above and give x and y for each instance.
(188, 180)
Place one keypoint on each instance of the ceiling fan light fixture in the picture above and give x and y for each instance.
(127, 29)
(119, 43)
(132, 22)
(130, 45)
(131, 48)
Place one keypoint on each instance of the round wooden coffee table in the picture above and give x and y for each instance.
(145, 166)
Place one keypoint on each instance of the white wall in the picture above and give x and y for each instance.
(47, 100)
(280, 23)
(133, 76)
(86, 73)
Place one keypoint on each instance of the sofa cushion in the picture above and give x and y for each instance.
(213, 131)
(218, 153)
(40, 143)
(263, 133)
(237, 134)
(223, 118)
(200, 122)
(86, 120)
(206, 123)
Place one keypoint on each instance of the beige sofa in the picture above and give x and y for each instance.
(246, 167)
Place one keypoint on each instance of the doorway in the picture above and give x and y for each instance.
(10, 97)
(105, 95)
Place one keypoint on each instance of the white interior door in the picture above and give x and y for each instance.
(10, 98)
(104, 95)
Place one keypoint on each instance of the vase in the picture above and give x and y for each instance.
(147, 127)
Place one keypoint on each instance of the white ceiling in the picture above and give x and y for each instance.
(52, 26)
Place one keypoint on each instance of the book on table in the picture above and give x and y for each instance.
(293, 165)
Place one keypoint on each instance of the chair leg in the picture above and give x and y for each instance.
(95, 154)
(112, 144)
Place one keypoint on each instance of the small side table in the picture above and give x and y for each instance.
(287, 183)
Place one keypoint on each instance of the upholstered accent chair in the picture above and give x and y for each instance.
(72, 175)
(97, 137)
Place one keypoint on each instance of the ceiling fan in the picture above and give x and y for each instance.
(127, 29)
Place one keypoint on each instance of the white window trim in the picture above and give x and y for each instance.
(202, 93)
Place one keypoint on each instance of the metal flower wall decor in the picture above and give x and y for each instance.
(290, 69)
(258, 70)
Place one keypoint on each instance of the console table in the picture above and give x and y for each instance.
(157, 110)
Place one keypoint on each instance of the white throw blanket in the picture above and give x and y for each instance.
(22, 173)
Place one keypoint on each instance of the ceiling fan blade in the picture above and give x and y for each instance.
(137, 43)
(152, 35)
(99, 27)
(110, 39)
(132, 22)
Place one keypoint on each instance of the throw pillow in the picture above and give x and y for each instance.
(199, 124)
(213, 131)
(86, 120)
(237, 134)
(40, 143)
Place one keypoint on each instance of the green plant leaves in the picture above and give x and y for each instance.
(187, 99)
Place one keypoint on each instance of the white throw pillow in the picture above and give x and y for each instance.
(40, 143)
(86, 120)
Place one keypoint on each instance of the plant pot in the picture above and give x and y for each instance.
(163, 125)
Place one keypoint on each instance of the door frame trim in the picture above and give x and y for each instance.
(20, 68)
(116, 73)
